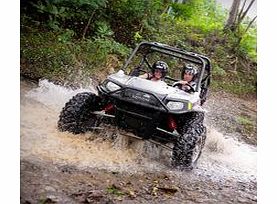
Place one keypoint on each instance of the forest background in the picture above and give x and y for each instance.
(70, 41)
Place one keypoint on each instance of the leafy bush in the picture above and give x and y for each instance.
(218, 71)
(131, 19)
(103, 29)
(202, 15)
(68, 14)
(248, 44)
(52, 56)
(64, 38)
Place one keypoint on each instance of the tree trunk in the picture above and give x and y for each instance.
(233, 13)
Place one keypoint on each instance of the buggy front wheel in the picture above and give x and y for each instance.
(188, 148)
(77, 115)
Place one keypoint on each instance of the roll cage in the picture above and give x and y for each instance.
(145, 49)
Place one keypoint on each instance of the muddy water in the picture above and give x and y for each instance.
(223, 158)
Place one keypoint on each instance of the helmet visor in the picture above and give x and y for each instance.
(189, 71)
(160, 67)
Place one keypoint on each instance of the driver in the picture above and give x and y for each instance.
(158, 71)
(189, 74)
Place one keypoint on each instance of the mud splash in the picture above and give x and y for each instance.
(222, 158)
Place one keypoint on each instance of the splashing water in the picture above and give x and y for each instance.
(54, 96)
(226, 157)
(222, 157)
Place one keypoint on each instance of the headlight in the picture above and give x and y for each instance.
(174, 105)
(112, 86)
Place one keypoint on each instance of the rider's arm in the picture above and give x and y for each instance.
(181, 82)
(184, 85)
(191, 87)
(145, 76)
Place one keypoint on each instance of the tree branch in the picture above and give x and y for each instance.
(249, 25)
(246, 11)
(241, 35)
(88, 23)
(239, 15)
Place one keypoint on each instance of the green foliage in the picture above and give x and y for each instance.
(45, 56)
(115, 190)
(244, 120)
(248, 44)
(94, 53)
(69, 14)
(197, 25)
(55, 56)
(129, 17)
(249, 125)
(234, 85)
(136, 10)
(203, 15)
(60, 38)
(103, 30)
(190, 23)
(172, 32)
(137, 37)
(50, 7)
(122, 17)
(52, 10)
(218, 71)
(66, 36)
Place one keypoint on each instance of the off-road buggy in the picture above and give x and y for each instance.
(148, 109)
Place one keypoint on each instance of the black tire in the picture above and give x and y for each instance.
(77, 115)
(187, 149)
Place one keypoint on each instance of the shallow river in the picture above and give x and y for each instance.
(223, 157)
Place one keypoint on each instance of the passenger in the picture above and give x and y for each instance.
(187, 83)
(158, 72)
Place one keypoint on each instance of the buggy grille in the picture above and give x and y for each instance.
(139, 97)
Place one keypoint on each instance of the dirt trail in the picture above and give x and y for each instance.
(66, 168)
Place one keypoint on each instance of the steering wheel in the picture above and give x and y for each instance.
(190, 86)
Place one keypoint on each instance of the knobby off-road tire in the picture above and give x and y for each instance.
(77, 115)
(188, 148)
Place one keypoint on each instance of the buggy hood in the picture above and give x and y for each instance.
(159, 88)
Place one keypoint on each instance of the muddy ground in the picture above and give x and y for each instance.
(49, 183)
(64, 168)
